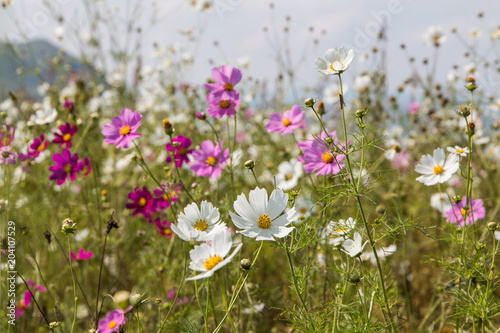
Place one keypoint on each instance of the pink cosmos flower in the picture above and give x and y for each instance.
(413, 108)
(142, 202)
(38, 146)
(318, 157)
(164, 227)
(210, 159)
(7, 156)
(122, 129)
(7, 135)
(114, 319)
(222, 104)
(457, 213)
(82, 255)
(37, 287)
(163, 200)
(67, 164)
(69, 106)
(288, 122)
(67, 133)
(87, 166)
(180, 148)
(225, 77)
(23, 304)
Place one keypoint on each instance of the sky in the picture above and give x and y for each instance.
(238, 27)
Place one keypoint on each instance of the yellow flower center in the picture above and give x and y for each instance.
(327, 158)
(286, 122)
(336, 66)
(438, 170)
(41, 147)
(228, 87)
(167, 232)
(182, 151)
(21, 304)
(68, 168)
(125, 130)
(342, 229)
(288, 176)
(211, 160)
(142, 202)
(112, 324)
(464, 212)
(460, 151)
(67, 136)
(224, 104)
(212, 262)
(201, 225)
(264, 221)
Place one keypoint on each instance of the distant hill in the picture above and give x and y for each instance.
(36, 60)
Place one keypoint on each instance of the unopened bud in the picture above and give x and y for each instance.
(472, 128)
(471, 84)
(68, 226)
(380, 209)
(250, 164)
(309, 102)
(492, 226)
(158, 300)
(355, 277)
(245, 264)
(463, 110)
(321, 108)
(135, 299)
(360, 113)
(457, 199)
(167, 126)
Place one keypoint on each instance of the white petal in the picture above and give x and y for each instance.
(277, 203)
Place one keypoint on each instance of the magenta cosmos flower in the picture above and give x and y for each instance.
(67, 133)
(168, 195)
(67, 164)
(164, 227)
(38, 146)
(7, 135)
(458, 212)
(288, 122)
(210, 159)
(122, 129)
(318, 157)
(225, 77)
(7, 156)
(112, 322)
(142, 202)
(179, 146)
(82, 255)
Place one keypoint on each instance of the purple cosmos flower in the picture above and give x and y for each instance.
(67, 133)
(7, 156)
(222, 104)
(38, 146)
(69, 106)
(225, 79)
(458, 212)
(288, 122)
(67, 164)
(318, 157)
(23, 304)
(164, 227)
(210, 159)
(6, 135)
(82, 255)
(179, 146)
(142, 202)
(122, 129)
(112, 322)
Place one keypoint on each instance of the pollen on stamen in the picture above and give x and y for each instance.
(211, 160)
(212, 262)
(201, 225)
(142, 202)
(286, 122)
(125, 130)
(224, 104)
(264, 221)
(327, 158)
(67, 137)
(460, 151)
(438, 170)
(68, 168)
(228, 87)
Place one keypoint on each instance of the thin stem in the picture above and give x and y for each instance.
(74, 283)
(36, 303)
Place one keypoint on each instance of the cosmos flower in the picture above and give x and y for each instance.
(114, 319)
(225, 77)
(38, 146)
(458, 150)
(168, 195)
(434, 36)
(354, 247)
(441, 202)
(179, 147)
(288, 122)
(210, 159)
(337, 61)
(123, 129)
(462, 211)
(288, 174)
(67, 133)
(6, 135)
(44, 116)
(435, 169)
(210, 258)
(82, 255)
(261, 217)
(382, 253)
(164, 227)
(341, 227)
(198, 224)
(318, 157)
(7, 156)
(222, 104)
(66, 165)
(142, 202)
(87, 166)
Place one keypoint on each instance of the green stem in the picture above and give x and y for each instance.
(74, 284)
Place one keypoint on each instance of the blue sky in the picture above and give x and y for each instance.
(237, 26)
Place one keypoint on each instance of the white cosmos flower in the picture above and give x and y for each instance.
(435, 169)
(198, 225)
(441, 202)
(288, 174)
(341, 227)
(382, 253)
(434, 36)
(260, 217)
(331, 93)
(458, 150)
(210, 258)
(44, 116)
(337, 61)
(354, 247)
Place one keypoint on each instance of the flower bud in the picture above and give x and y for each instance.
(135, 299)
(355, 278)
(167, 126)
(245, 264)
(250, 164)
(68, 226)
(122, 299)
(201, 115)
(457, 199)
(471, 129)
(463, 110)
(158, 300)
(380, 209)
(492, 226)
(471, 84)
(480, 245)
(309, 102)
(321, 108)
(360, 113)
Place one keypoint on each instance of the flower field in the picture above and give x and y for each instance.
(133, 200)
